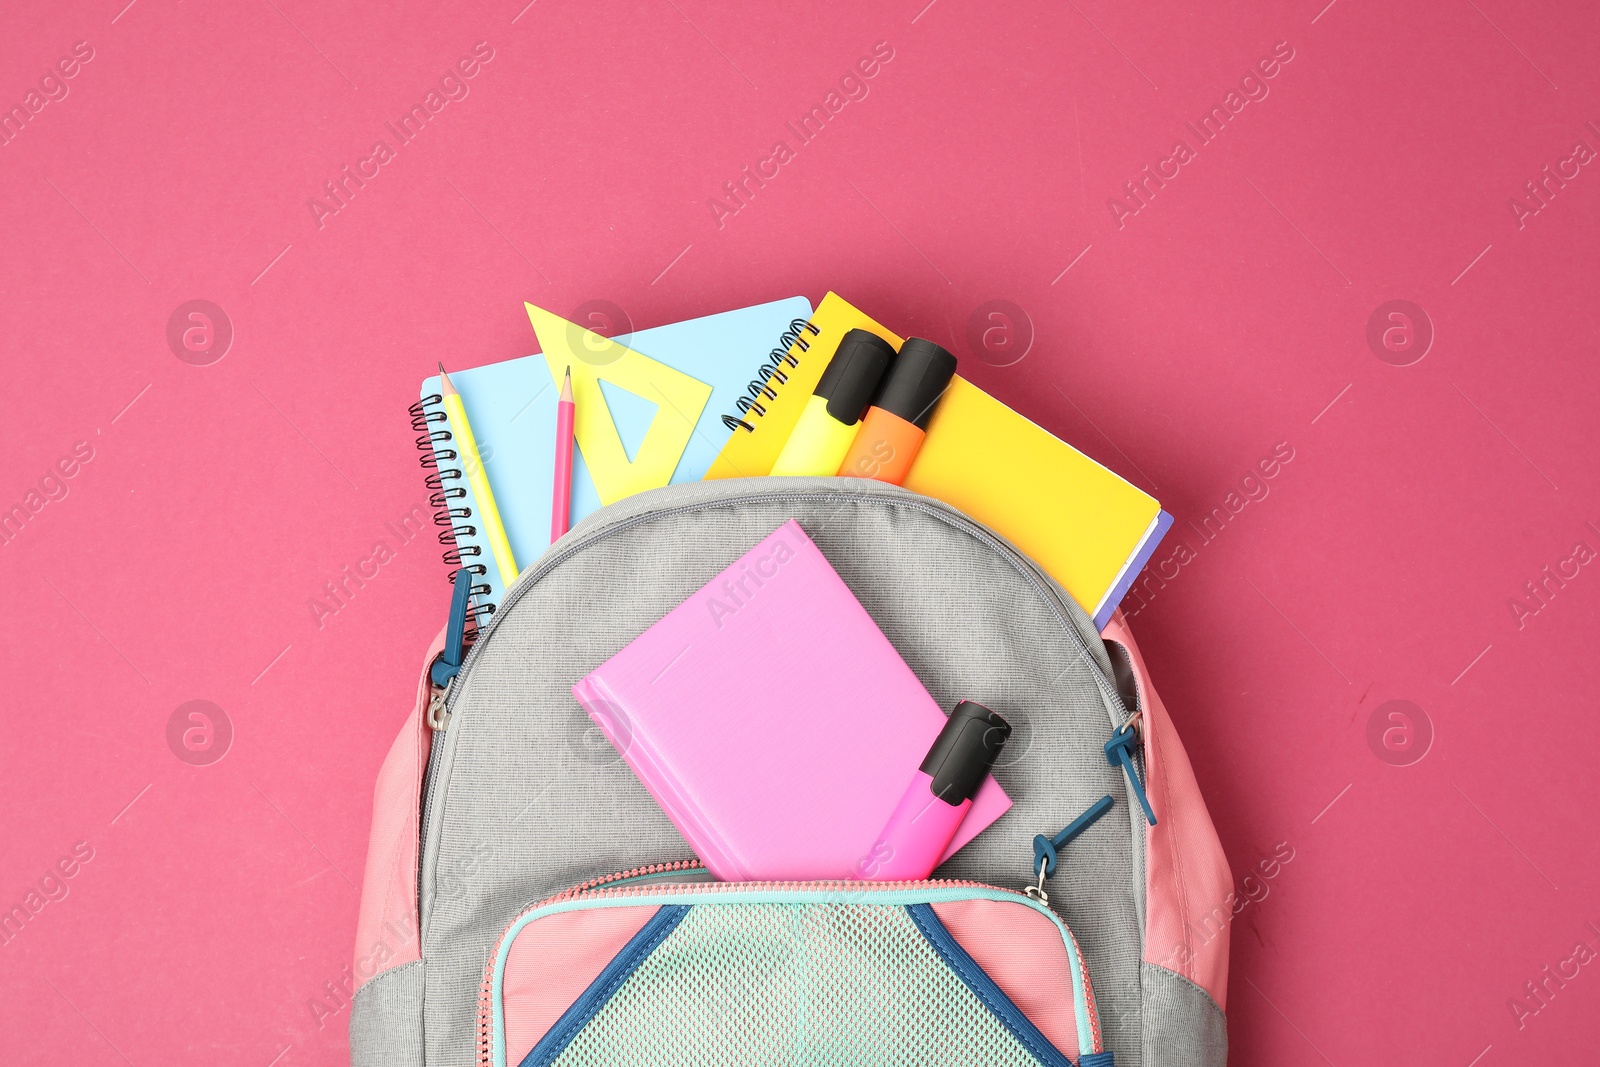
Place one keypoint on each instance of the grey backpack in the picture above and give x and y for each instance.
(527, 903)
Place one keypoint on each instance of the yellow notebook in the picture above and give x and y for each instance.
(1089, 528)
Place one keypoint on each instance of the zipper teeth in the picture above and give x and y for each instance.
(623, 876)
(833, 885)
(486, 1010)
(1095, 1039)
(1023, 565)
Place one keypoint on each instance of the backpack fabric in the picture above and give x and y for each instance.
(527, 902)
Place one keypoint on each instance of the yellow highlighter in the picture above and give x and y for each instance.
(461, 429)
(819, 441)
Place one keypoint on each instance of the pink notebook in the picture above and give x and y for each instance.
(772, 720)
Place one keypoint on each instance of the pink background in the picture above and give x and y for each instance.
(1228, 315)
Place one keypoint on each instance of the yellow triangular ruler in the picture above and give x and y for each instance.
(679, 400)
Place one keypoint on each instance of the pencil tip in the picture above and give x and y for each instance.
(441, 366)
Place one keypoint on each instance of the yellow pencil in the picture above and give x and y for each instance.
(461, 429)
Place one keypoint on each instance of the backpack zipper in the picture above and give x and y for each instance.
(612, 886)
(899, 498)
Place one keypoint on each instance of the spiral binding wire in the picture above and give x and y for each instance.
(447, 494)
(771, 374)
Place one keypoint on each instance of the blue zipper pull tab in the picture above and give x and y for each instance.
(1046, 849)
(448, 663)
(1119, 751)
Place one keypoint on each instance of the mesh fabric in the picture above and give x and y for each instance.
(801, 985)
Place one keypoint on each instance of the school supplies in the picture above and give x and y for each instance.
(939, 796)
(561, 495)
(513, 405)
(478, 477)
(772, 719)
(797, 778)
(782, 385)
(893, 428)
(1090, 529)
(822, 436)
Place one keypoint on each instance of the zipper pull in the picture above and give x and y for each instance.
(1119, 751)
(447, 664)
(438, 717)
(1046, 849)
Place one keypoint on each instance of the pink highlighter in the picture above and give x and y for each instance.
(938, 797)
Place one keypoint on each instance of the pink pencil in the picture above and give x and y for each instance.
(561, 497)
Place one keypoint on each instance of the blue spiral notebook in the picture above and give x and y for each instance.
(512, 408)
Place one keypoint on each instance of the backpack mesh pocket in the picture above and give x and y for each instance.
(798, 983)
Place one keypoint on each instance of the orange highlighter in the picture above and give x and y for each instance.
(895, 424)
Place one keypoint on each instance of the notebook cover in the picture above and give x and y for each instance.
(792, 774)
(512, 407)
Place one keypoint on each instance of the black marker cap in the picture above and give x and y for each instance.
(852, 376)
(916, 381)
(964, 751)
